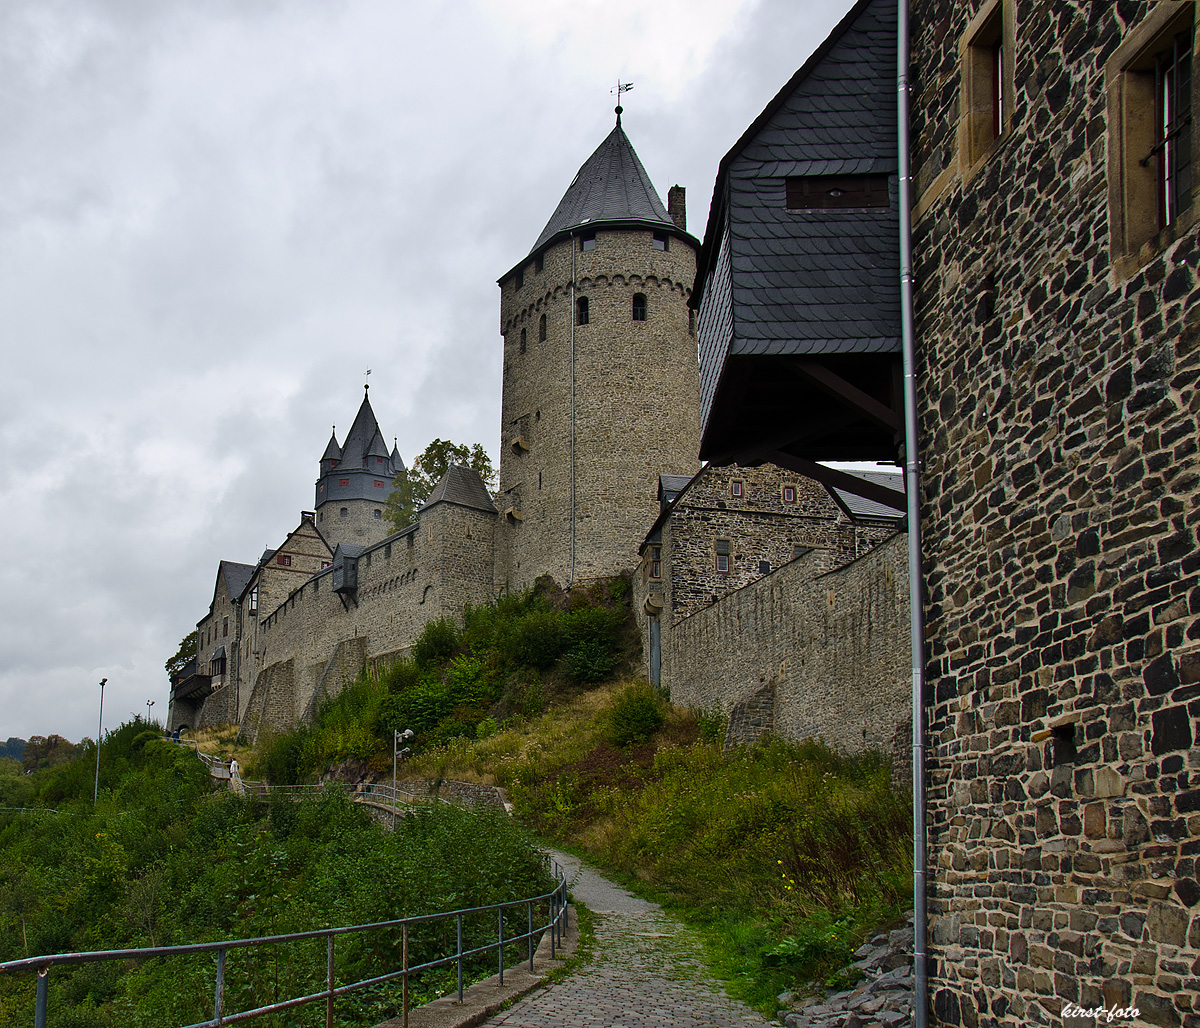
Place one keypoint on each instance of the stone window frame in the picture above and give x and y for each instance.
(737, 489)
(638, 312)
(984, 86)
(661, 241)
(1136, 236)
(582, 314)
(723, 556)
(783, 493)
(587, 240)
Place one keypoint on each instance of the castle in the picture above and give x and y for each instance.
(1040, 261)
(600, 402)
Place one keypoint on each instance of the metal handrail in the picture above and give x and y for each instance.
(557, 923)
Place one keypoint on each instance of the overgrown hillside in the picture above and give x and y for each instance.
(787, 855)
(163, 860)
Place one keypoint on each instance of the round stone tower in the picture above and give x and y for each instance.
(601, 387)
(356, 479)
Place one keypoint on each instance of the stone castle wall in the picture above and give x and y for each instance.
(360, 525)
(1061, 501)
(636, 401)
(833, 646)
(314, 642)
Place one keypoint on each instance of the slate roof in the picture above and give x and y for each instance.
(348, 550)
(861, 507)
(332, 451)
(462, 486)
(237, 577)
(359, 438)
(670, 486)
(612, 185)
(397, 462)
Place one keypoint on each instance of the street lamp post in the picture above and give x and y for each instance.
(397, 739)
(99, 730)
(149, 704)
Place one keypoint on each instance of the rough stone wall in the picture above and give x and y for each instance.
(1061, 498)
(431, 570)
(834, 646)
(636, 402)
(360, 525)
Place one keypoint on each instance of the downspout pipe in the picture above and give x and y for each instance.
(913, 503)
(571, 577)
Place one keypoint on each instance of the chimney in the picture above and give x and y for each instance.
(677, 206)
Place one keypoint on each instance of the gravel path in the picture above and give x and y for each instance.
(646, 971)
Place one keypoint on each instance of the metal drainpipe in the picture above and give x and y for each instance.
(571, 579)
(913, 504)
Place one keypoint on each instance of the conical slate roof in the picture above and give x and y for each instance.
(358, 440)
(612, 185)
(378, 447)
(332, 451)
(462, 486)
(397, 462)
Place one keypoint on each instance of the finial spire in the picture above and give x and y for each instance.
(366, 384)
(621, 87)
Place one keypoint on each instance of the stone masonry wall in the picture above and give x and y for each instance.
(834, 646)
(1061, 500)
(636, 402)
(430, 570)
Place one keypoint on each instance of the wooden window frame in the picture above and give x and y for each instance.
(987, 84)
(723, 556)
(1139, 232)
(783, 493)
(737, 489)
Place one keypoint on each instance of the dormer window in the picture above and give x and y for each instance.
(333, 464)
(587, 241)
(662, 241)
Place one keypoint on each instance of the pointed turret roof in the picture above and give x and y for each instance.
(462, 486)
(612, 185)
(378, 447)
(332, 451)
(360, 436)
(397, 461)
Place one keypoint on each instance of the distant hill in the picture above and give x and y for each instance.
(14, 748)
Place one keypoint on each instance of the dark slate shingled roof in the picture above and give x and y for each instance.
(358, 439)
(237, 577)
(612, 185)
(462, 486)
(861, 507)
(332, 451)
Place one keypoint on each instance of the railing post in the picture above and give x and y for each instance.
(553, 922)
(219, 998)
(566, 907)
(406, 976)
(530, 936)
(43, 995)
(460, 951)
(501, 946)
(329, 983)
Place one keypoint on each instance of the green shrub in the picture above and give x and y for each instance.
(637, 715)
(419, 709)
(539, 639)
(589, 661)
(402, 674)
(468, 681)
(436, 643)
(712, 723)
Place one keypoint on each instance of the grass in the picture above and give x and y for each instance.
(785, 856)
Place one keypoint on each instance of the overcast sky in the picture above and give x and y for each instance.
(215, 216)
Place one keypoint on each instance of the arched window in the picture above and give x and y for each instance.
(522, 340)
(639, 306)
(581, 311)
(542, 329)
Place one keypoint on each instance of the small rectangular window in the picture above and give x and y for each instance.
(539, 262)
(723, 555)
(581, 311)
(520, 278)
(324, 564)
(283, 560)
(343, 481)
(378, 484)
(662, 241)
(225, 627)
(735, 488)
(789, 494)
(832, 192)
(656, 562)
(984, 82)
(254, 602)
(378, 514)
(587, 241)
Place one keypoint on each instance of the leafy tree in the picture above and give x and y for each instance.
(411, 488)
(187, 650)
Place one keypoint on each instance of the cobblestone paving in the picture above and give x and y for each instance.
(645, 972)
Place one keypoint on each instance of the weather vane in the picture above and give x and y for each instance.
(621, 87)
(366, 383)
